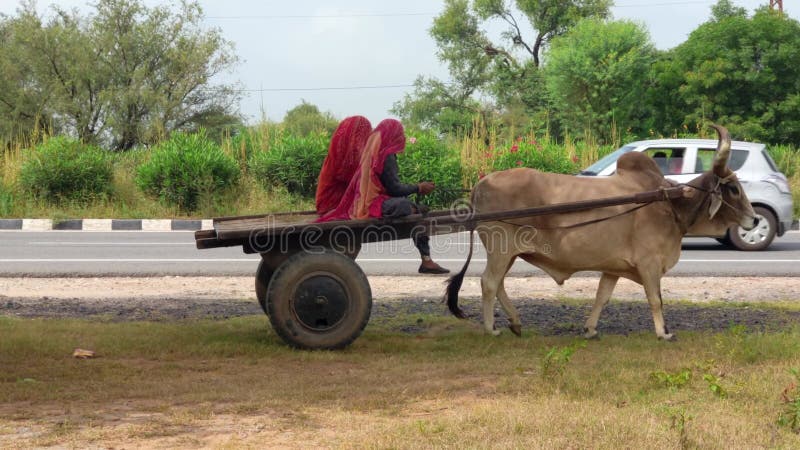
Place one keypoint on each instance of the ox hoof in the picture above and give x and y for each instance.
(516, 329)
(669, 337)
(590, 334)
(495, 332)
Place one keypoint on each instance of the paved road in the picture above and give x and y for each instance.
(65, 253)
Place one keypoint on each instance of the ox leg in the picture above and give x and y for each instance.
(492, 279)
(508, 307)
(607, 284)
(652, 287)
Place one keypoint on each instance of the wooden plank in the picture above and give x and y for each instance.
(259, 216)
(205, 234)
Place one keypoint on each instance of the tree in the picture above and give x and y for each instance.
(724, 9)
(506, 70)
(306, 118)
(596, 76)
(742, 72)
(125, 75)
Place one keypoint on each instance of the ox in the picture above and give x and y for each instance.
(638, 242)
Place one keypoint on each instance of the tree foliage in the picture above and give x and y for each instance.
(124, 75)
(596, 75)
(504, 70)
(740, 71)
(306, 118)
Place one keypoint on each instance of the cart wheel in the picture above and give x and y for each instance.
(263, 275)
(319, 300)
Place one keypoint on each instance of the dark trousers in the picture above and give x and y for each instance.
(400, 207)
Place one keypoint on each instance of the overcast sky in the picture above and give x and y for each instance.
(298, 50)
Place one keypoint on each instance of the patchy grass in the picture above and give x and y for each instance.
(232, 383)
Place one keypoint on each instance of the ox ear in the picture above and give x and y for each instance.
(716, 203)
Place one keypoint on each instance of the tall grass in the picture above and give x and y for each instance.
(484, 149)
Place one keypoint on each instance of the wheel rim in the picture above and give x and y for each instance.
(758, 234)
(320, 301)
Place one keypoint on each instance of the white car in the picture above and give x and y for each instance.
(682, 160)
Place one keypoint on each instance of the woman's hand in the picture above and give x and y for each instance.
(426, 187)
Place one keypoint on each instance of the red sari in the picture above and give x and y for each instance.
(365, 193)
(344, 155)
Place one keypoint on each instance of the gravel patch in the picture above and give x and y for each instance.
(689, 303)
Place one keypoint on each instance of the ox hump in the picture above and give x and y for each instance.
(640, 169)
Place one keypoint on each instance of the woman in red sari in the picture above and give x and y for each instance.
(375, 189)
(344, 155)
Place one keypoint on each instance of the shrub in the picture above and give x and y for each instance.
(64, 169)
(293, 162)
(427, 158)
(185, 168)
(547, 157)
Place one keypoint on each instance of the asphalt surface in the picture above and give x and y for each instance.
(72, 253)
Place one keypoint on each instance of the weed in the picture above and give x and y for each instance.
(790, 416)
(714, 386)
(672, 381)
(679, 420)
(555, 361)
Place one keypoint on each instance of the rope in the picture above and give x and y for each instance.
(588, 222)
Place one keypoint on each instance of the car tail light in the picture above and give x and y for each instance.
(779, 181)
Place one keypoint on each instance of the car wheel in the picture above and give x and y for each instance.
(760, 237)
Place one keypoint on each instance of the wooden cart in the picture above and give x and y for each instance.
(308, 282)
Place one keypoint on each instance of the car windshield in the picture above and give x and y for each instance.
(607, 160)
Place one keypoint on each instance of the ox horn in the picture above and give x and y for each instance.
(723, 152)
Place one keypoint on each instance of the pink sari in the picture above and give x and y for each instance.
(365, 193)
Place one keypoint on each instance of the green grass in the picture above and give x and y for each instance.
(450, 386)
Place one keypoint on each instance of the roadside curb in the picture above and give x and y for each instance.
(106, 224)
(129, 225)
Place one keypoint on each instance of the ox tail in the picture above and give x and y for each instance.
(454, 282)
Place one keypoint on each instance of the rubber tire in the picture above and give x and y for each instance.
(263, 276)
(726, 241)
(329, 264)
(772, 223)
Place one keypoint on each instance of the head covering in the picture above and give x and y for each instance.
(365, 193)
(344, 155)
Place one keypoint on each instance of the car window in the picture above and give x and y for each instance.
(668, 159)
(705, 159)
(607, 160)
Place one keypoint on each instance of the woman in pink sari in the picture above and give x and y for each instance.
(375, 189)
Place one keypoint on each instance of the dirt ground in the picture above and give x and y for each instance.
(690, 303)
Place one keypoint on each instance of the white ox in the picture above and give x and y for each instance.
(640, 243)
